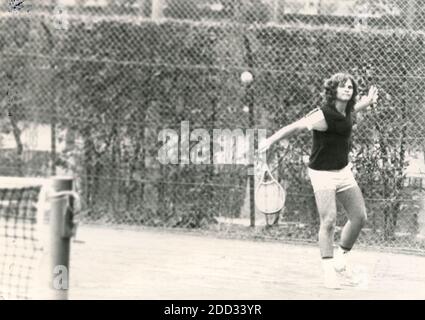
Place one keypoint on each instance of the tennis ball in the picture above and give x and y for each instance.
(246, 77)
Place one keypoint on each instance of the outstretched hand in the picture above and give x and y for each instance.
(372, 96)
(367, 101)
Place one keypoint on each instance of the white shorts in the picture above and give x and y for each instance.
(336, 180)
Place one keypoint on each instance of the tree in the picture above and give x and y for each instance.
(15, 81)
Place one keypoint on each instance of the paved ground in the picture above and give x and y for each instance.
(153, 264)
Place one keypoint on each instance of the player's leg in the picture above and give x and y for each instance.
(353, 202)
(326, 206)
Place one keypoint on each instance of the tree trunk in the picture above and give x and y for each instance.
(17, 132)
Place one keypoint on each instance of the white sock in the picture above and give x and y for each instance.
(328, 264)
(341, 259)
(331, 280)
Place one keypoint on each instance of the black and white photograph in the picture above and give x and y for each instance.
(213, 150)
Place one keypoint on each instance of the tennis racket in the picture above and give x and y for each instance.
(269, 196)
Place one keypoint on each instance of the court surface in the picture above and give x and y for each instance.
(154, 264)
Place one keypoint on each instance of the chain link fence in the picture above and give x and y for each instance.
(104, 90)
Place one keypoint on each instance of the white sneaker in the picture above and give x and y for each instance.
(348, 277)
(343, 268)
(330, 279)
(341, 260)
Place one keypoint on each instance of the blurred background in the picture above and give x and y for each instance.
(87, 86)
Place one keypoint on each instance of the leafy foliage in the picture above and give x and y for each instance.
(121, 83)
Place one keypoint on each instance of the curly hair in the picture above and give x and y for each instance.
(331, 85)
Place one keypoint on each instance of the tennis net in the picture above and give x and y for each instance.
(26, 214)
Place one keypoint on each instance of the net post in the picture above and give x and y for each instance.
(61, 221)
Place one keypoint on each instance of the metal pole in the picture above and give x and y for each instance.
(251, 166)
(250, 97)
(157, 7)
(61, 224)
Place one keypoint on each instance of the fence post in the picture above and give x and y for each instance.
(249, 59)
(157, 7)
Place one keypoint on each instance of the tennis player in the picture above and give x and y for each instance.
(330, 172)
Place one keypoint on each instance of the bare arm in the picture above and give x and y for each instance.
(287, 131)
(313, 121)
(368, 100)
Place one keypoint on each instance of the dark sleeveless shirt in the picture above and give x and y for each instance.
(331, 147)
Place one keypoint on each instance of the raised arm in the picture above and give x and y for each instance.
(366, 101)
